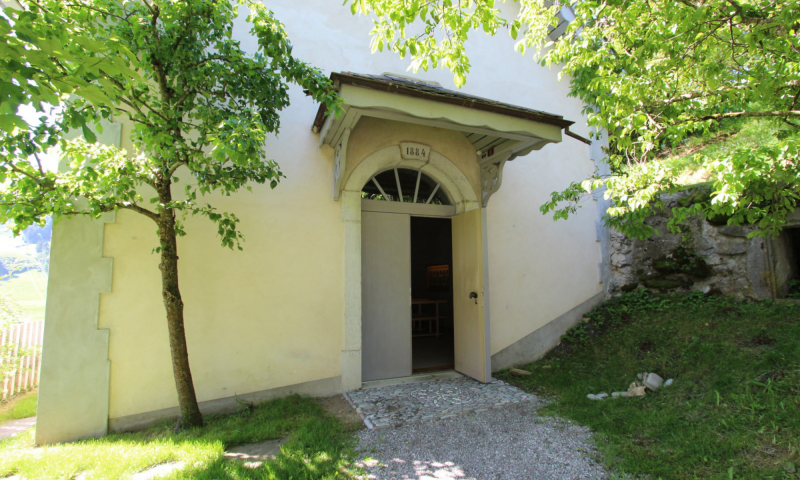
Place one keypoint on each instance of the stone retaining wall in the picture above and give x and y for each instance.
(705, 257)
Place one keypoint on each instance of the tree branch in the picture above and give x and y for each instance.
(694, 95)
(175, 168)
(131, 103)
(38, 162)
(143, 211)
(775, 113)
(23, 172)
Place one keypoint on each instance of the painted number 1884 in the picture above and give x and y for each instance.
(414, 151)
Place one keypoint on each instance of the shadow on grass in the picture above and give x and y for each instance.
(318, 447)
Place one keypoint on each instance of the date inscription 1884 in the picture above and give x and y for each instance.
(414, 151)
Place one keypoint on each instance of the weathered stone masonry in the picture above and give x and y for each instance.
(705, 257)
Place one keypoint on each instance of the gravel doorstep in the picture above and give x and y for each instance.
(394, 405)
(511, 442)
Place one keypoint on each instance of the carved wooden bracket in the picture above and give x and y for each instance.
(340, 163)
(492, 177)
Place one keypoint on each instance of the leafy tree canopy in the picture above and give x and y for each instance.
(195, 99)
(651, 74)
(197, 103)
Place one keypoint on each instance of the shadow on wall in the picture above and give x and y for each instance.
(431, 244)
(786, 259)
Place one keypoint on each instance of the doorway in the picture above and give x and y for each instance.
(432, 337)
(422, 280)
(786, 263)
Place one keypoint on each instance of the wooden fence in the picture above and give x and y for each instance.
(25, 376)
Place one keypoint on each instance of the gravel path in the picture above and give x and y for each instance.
(509, 442)
(395, 405)
(15, 427)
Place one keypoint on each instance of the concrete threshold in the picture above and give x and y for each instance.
(417, 378)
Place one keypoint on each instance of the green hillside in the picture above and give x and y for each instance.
(29, 290)
(24, 273)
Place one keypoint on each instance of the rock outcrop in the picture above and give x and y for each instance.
(705, 257)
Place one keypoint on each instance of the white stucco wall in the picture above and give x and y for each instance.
(273, 315)
(539, 269)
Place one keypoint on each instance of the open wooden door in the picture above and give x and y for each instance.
(385, 295)
(468, 300)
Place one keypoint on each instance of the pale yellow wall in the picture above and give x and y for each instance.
(373, 134)
(263, 318)
(273, 315)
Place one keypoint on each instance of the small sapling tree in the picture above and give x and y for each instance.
(197, 104)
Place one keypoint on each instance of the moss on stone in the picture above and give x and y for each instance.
(718, 220)
(699, 269)
(682, 261)
(665, 265)
(629, 287)
(666, 283)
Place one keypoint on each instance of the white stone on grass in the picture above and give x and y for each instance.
(635, 390)
(653, 381)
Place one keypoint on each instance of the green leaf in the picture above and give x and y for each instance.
(10, 121)
(88, 134)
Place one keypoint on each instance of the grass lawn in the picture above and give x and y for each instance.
(733, 411)
(319, 447)
(19, 406)
(729, 136)
(29, 290)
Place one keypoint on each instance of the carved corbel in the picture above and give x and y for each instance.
(340, 163)
(492, 177)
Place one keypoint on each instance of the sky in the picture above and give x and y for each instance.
(30, 115)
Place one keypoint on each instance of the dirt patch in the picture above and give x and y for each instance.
(340, 408)
(775, 376)
(761, 340)
(647, 346)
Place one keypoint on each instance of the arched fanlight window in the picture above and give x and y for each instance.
(405, 185)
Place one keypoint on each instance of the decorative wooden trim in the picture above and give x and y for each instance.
(492, 178)
(416, 209)
(340, 164)
(452, 98)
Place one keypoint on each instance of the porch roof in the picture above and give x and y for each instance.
(499, 131)
(429, 91)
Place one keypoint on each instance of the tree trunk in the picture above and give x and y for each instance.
(187, 400)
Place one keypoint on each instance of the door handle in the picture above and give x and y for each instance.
(475, 296)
